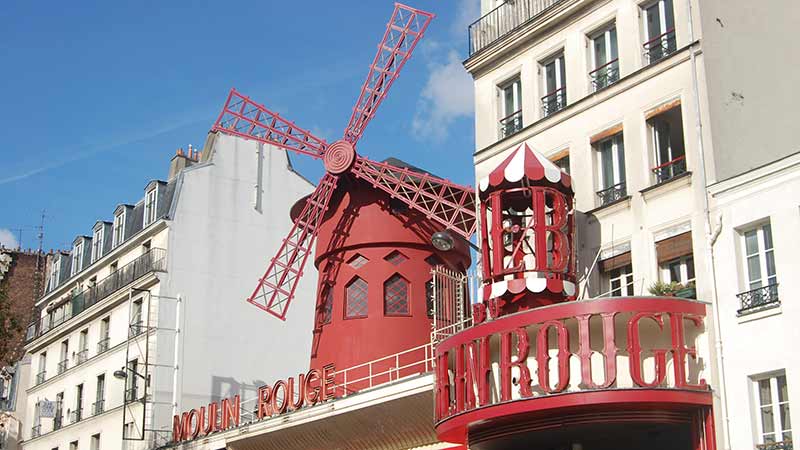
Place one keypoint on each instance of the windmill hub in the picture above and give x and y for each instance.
(339, 157)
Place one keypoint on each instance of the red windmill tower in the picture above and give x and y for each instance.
(527, 233)
(372, 221)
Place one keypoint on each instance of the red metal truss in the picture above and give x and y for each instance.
(276, 288)
(393, 52)
(245, 118)
(450, 204)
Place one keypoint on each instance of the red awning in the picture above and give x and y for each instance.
(525, 162)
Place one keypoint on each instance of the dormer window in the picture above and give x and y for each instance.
(55, 272)
(150, 206)
(77, 257)
(118, 231)
(97, 242)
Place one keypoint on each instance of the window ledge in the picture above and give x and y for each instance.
(611, 208)
(670, 185)
(761, 313)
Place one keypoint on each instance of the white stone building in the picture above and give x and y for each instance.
(168, 274)
(671, 116)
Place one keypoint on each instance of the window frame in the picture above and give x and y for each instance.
(118, 229)
(761, 254)
(558, 59)
(604, 32)
(346, 312)
(150, 205)
(407, 312)
(97, 243)
(625, 278)
(683, 262)
(774, 406)
(617, 156)
(77, 257)
(515, 84)
(55, 272)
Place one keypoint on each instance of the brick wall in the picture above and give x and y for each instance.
(19, 284)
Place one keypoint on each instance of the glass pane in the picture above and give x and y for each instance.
(786, 419)
(607, 164)
(560, 67)
(600, 51)
(751, 242)
(675, 271)
(770, 264)
(783, 390)
(764, 392)
(615, 288)
(754, 270)
(550, 77)
(690, 268)
(767, 421)
(620, 157)
(768, 438)
(669, 15)
(787, 435)
(613, 40)
(662, 140)
(767, 236)
(653, 21)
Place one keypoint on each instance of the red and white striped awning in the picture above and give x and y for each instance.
(525, 162)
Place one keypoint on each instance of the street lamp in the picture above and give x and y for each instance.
(123, 374)
(444, 241)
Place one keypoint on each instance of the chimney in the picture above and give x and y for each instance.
(181, 160)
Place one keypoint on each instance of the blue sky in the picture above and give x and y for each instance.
(97, 96)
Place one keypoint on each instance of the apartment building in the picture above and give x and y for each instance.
(145, 315)
(676, 136)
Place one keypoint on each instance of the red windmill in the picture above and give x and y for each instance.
(361, 209)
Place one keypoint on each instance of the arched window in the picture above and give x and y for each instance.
(356, 298)
(395, 296)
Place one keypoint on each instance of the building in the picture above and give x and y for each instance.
(654, 107)
(131, 314)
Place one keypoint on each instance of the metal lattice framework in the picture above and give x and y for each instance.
(449, 204)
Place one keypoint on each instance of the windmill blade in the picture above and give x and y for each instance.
(245, 118)
(447, 203)
(276, 288)
(403, 32)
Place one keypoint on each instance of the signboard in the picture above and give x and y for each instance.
(47, 408)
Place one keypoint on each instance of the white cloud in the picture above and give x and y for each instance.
(7, 239)
(447, 96)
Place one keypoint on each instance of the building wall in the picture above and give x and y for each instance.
(758, 343)
(21, 282)
(751, 81)
(221, 240)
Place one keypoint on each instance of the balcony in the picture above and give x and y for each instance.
(136, 327)
(36, 431)
(504, 19)
(63, 366)
(153, 261)
(554, 101)
(783, 445)
(660, 47)
(611, 194)
(41, 377)
(670, 169)
(98, 407)
(58, 422)
(82, 356)
(758, 299)
(605, 75)
(131, 394)
(510, 124)
(76, 416)
(103, 344)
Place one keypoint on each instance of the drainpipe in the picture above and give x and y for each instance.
(711, 235)
(175, 358)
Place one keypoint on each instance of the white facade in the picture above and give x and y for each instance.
(193, 249)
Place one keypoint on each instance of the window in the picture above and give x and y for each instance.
(396, 258)
(605, 61)
(77, 414)
(97, 243)
(358, 261)
(83, 346)
(555, 85)
(510, 107)
(95, 444)
(130, 381)
(326, 306)
(77, 257)
(58, 415)
(150, 206)
(55, 271)
(680, 270)
(73, 445)
(611, 169)
(563, 163)
(136, 326)
(100, 396)
(666, 130)
(659, 30)
(63, 363)
(772, 397)
(621, 281)
(118, 230)
(395, 296)
(102, 344)
(759, 263)
(40, 377)
(357, 299)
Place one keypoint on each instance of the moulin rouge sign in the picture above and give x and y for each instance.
(532, 351)
(285, 395)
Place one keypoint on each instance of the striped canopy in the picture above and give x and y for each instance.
(525, 162)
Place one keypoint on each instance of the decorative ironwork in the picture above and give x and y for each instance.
(63, 365)
(755, 299)
(103, 344)
(82, 356)
(605, 75)
(41, 377)
(58, 422)
(98, 407)
(153, 261)
(660, 47)
(611, 194)
(554, 101)
(782, 445)
(670, 169)
(36, 431)
(504, 19)
(76, 415)
(511, 124)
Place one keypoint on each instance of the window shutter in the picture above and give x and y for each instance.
(674, 247)
(621, 260)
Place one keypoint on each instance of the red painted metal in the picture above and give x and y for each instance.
(450, 205)
(393, 52)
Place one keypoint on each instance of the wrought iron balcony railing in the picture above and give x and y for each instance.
(98, 407)
(605, 75)
(36, 431)
(63, 366)
(41, 377)
(153, 261)
(660, 47)
(76, 415)
(611, 194)
(82, 356)
(554, 101)
(511, 124)
(670, 169)
(103, 344)
(131, 394)
(755, 299)
(137, 328)
(58, 422)
(782, 445)
(504, 19)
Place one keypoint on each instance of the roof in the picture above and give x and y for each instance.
(528, 164)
